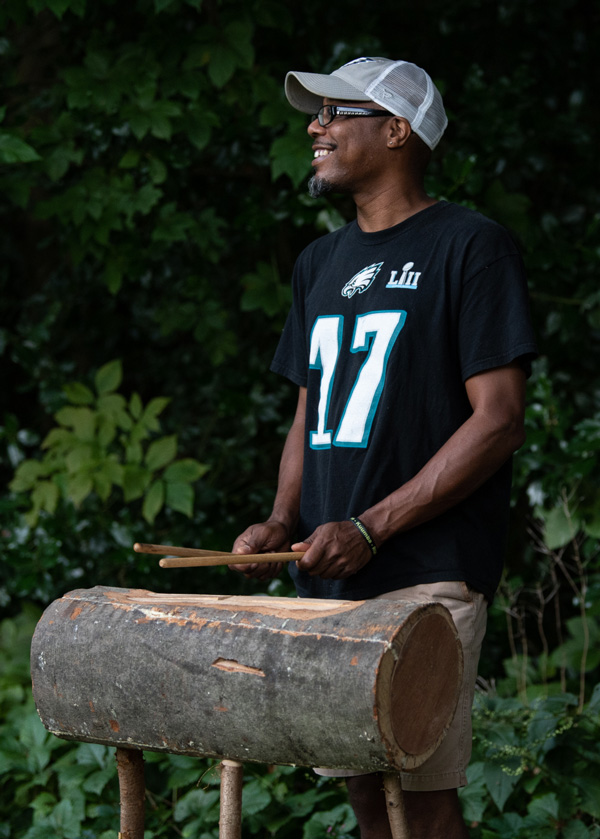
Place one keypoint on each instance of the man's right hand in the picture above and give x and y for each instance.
(268, 537)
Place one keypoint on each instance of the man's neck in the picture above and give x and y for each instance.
(392, 206)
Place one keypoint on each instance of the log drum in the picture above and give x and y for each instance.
(369, 685)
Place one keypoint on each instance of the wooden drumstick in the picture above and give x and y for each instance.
(206, 560)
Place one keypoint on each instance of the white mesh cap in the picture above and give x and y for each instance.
(398, 86)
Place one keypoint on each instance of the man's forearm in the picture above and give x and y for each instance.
(471, 456)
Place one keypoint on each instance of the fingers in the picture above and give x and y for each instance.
(258, 571)
(267, 537)
(335, 551)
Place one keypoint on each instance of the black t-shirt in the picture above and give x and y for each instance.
(384, 330)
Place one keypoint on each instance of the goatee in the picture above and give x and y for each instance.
(318, 186)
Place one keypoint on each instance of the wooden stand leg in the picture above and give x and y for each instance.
(395, 806)
(230, 819)
(130, 767)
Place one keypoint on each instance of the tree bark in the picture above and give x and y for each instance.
(368, 685)
(230, 816)
(132, 787)
(394, 801)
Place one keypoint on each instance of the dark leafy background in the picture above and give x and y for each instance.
(153, 204)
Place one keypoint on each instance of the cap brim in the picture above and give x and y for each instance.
(306, 91)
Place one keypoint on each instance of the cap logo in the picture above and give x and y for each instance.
(357, 61)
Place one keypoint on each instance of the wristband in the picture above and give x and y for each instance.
(365, 534)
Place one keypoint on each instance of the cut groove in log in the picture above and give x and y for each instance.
(236, 667)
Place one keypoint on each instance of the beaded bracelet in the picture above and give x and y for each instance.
(365, 533)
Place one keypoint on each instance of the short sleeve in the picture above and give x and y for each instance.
(291, 355)
(495, 326)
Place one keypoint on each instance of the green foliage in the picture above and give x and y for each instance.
(535, 768)
(53, 788)
(534, 772)
(103, 441)
(152, 210)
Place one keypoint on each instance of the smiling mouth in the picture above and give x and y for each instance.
(322, 153)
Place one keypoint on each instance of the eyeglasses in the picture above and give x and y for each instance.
(328, 113)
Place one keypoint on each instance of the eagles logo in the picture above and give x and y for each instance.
(360, 282)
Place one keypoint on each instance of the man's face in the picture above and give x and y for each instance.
(349, 153)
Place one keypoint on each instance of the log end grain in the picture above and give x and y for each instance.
(422, 679)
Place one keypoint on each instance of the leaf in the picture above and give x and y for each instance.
(113, 275)
(543, 809)
(153, 501)
(58, 438)
(256, 797)
(559, 528)
(81, 419)
(499, 784)
(135, 406)
(152, 410)
(161, 452)
(97, 781)
(180, 497)
(79, 486)
(109, 377)
(290, 155)
(575, 829)
(113, 405)
(107, 430)
(59, 7)
(221, 66)
(79, 458)
(78, 393)
(185, 471)
(135, 481)
(26, 475)
(14, 150)
(92, 754)
(130, 159)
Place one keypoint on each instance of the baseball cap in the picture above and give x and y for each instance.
(398, 86)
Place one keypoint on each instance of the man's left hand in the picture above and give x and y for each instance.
(335, 551)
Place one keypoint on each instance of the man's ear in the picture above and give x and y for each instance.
(399, 132)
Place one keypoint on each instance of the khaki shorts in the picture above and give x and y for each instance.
(446, 768)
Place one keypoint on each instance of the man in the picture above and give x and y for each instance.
(410, 342)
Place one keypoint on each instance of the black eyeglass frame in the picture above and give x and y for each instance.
(346, 111)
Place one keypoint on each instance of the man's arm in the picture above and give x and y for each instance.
(275, 533)
(472, 455)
